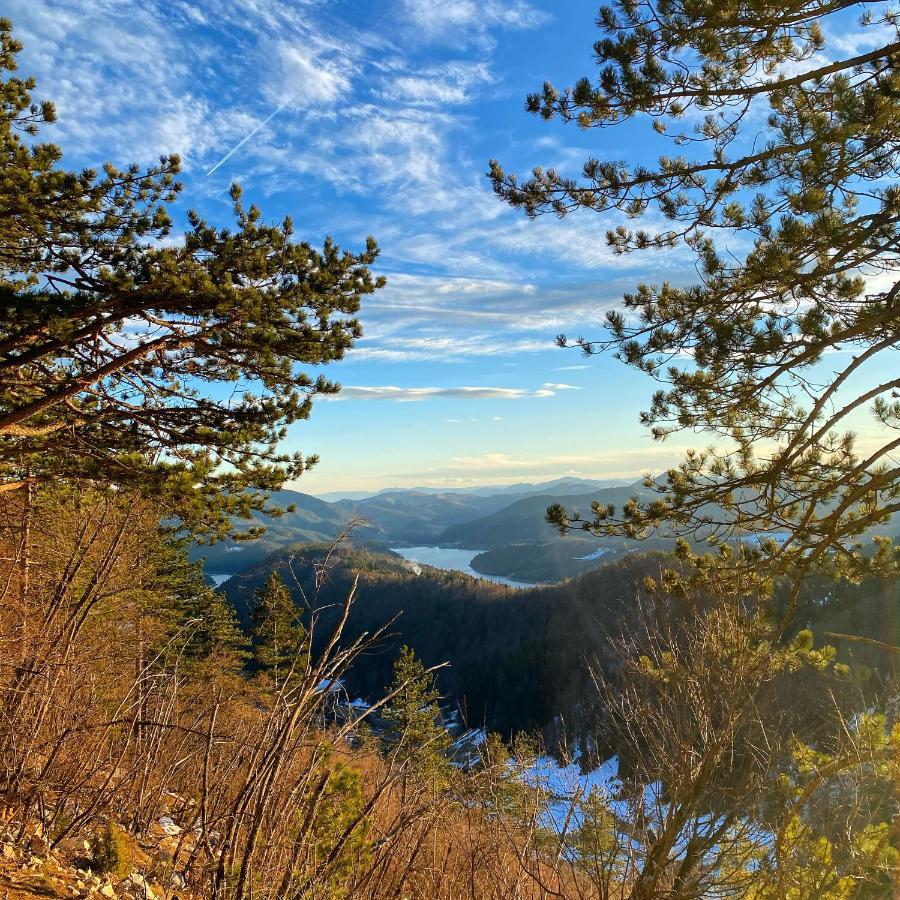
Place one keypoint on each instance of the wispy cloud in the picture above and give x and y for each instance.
(458, 20)
(449, 84)
(310, 76)
(855, 40)
(416, 394)
(137, 78)
(501, 461)
(447, 348)
(612, 464)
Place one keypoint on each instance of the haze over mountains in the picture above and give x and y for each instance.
(485, 490)
(504, 527)
(486, 518)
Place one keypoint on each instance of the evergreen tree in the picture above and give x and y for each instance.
(414, 717)
(340, 821)
(200, 625)
(811, 188)
(156, 601)
(112, 341)
(278, 639)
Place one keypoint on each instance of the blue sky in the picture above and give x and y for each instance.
(385, 116)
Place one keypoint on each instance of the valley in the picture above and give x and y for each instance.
(432, 645)
(498, 533)
(520, 659)
(454, 560)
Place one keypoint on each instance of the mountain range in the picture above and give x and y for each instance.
(485, 490)
(509, 518)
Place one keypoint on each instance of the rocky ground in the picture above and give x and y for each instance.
(31, 870)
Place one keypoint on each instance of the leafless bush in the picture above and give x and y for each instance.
(104, 720)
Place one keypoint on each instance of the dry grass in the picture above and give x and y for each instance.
(103, 722)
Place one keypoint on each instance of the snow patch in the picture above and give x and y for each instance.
(600, 551)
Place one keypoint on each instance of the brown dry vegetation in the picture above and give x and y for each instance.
(109, 714)
(129, 715)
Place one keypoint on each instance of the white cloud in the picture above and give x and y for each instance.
(416, 394)
(309, 78)
(612, 463)
(855, 41)
(482, 303)
(494, 462)
(455, 20)
(362, 118)
(440, 86)
(447, 348)
(135, 79)
(119, 81)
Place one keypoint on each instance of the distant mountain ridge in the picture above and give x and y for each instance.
(523, 487)
(523, 522)
(409, 517)
(507, 525)
(312, 520)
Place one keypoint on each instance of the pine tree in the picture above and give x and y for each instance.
(200, 625)
(278, 639)
(340, 822)
(811, 188)
(414, 717)
(112, 340)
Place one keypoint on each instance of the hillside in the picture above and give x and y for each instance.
(512, 515)
(517, 657)
(416, 517)
(508, 526)
(524, 522)
(312, 520)
(421, 515)
(560, 557)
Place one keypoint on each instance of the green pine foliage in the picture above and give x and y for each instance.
(201, 624)
(340, 821)
(781, 143)
(414, 719)
(278, 640)
(112, 340)
(111, 851)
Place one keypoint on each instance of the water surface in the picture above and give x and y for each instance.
(453, 560)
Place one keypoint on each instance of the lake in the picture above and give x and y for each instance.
(453, 560)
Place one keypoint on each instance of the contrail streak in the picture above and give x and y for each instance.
(238, 146)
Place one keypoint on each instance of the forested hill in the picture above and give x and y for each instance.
(479, 519)
(524, 521)
(418, 517)
(518, 658)
(306, 519)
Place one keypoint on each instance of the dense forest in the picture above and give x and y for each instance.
(540, 645)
